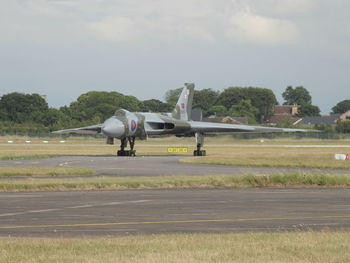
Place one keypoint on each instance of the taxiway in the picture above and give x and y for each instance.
(115, 213)
(153, 166)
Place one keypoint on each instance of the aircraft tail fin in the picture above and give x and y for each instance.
(183, 106)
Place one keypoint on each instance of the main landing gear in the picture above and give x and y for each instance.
(200, 143)
(124, 144)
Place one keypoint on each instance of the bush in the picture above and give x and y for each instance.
(343, 127)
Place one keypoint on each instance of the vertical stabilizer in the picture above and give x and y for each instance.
(183, 106)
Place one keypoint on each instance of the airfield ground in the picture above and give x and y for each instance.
(311, 153)
(296, 247)
(83, 213)
(166, 211)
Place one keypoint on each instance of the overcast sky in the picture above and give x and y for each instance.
(63, 48)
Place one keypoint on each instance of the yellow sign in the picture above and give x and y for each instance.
(178, 150)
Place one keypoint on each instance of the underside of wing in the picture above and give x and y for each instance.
(82, 130)
(210, 127)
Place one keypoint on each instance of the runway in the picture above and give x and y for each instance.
(129, 212)
(153, 166)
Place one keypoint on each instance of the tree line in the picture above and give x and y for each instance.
(30, 112)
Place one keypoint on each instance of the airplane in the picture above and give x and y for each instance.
(127, 126)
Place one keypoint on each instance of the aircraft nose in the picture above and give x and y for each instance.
(113, 128)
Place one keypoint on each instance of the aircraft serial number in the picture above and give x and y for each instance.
(177, 150)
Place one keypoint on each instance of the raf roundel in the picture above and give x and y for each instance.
(133, 125)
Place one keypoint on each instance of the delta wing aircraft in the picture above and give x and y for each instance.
(127, 126)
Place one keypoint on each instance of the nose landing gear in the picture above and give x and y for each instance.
(124, 144)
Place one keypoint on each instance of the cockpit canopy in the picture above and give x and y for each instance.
(121, 113)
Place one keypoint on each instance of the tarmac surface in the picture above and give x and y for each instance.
(152, 166)
(130, 212)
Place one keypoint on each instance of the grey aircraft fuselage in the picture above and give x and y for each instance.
(142, 125)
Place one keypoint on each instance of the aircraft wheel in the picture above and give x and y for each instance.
(126, 153)
(122, 153)
(199, 153)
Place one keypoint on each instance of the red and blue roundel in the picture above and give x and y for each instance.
(133, 125)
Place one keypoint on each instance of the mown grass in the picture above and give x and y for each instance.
(220, 150)
(169, 182)
(44, 172)
(273, 157)
(190, 248)
(42, 150)
(26, 156)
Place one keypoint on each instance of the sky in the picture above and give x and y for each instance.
(64, 48)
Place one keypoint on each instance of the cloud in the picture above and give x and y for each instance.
(116, 28)
(282, 7)
(157, 20)
(192, 20)
(43, 38)
(165, 29)
(247, 27)
(258, 22)
(36, 22)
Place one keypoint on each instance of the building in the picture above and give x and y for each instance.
(227, 119)
(331, 119)
(283, 113)
(345, 116)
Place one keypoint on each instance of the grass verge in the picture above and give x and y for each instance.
(27, 156)
(190, 248)
(169, 182)
(269, 157)
(43, 172)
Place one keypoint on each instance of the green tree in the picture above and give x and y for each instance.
(287, 122)
(298, 95)
(218, 110)
(308, 110)
(101, 105)
(262, 99)
(327, 128)
(95, 103)
(51, 118)
(231, 96)
(19, 107)
(301, 97)
(244, 109)
(131, 103)
(171, 96)
(154, 105)
(3, 114)
(204, 99)
(341, 107)
(343, 127)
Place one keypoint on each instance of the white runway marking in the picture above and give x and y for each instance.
(43, 210)
(74, 207)
(108, 204)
